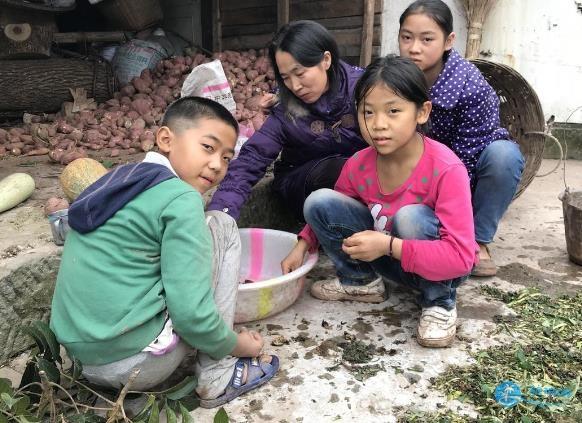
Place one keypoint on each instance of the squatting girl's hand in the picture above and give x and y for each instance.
(366, 245)
(295, 257)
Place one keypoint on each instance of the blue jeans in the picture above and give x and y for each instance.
(497, 175)
(334, 216)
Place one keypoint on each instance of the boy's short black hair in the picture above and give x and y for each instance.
(186, 111)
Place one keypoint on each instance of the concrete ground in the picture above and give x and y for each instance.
(530, 249)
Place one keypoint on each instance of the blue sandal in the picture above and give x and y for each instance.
(258, 373)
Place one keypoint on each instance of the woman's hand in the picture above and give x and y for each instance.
(366, 245)
(267, 101)
(295, 258)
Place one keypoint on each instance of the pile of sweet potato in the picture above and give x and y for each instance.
(130, 119)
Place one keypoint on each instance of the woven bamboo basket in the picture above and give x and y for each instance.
(521, 114)
(131, 15)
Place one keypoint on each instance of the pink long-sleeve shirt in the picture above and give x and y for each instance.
(439, 181)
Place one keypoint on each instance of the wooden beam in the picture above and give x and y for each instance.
(228, 5)
(246, 16)
(354, 51)
(79, 37)
(216, 26)
(282, 13)
(367, 33)
(244, 42)
(237, 30)
(317, 9)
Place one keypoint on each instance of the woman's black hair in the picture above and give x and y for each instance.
(185, 112)
(437, 10)
(400, 74)
(306, 41)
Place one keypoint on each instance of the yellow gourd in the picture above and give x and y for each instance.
(79, 174)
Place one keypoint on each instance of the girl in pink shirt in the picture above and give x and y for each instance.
(401, 208)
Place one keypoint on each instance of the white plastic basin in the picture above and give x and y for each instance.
(271, 292)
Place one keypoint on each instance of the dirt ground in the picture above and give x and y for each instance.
(312, 385)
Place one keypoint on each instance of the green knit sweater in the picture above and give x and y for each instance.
(116, 283)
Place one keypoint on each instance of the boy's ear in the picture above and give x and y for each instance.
(423, 113)
(164, 138)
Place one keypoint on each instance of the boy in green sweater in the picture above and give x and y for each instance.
(146, 275)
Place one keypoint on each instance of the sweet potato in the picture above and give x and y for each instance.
(132, 114)
(247, 114)
(76, 135)
(254, 103)
(54, 204)
(95, 146)
(16, 132)
(165, 92)
(141, 106)
(148, 119)
(112, 103)
(26, 139)
(64, 128)
(171, 81)
(263, 87)
(56, 154)
(93, 136)
(71, 155)
(139, 123)
(127, 91)
(239, 98)
(18, 145)
(251, 74)
(147, 144)
(146, 75)
(261, 65)
(135, 133)
(37, 152)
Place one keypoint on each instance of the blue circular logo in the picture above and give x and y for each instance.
(507, 393)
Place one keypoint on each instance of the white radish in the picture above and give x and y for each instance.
(14, 189)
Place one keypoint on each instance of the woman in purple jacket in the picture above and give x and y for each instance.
(313, 127)
(465, 117)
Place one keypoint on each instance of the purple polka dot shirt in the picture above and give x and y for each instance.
(465, 113)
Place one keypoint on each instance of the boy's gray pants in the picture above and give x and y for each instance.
(213, 376)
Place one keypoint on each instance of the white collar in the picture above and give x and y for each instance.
(153, 157)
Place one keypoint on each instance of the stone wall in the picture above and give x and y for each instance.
(26, 289)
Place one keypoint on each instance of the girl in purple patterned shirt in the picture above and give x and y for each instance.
(465, 117)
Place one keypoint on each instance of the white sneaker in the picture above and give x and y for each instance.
(437, 327)
(333, 290)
